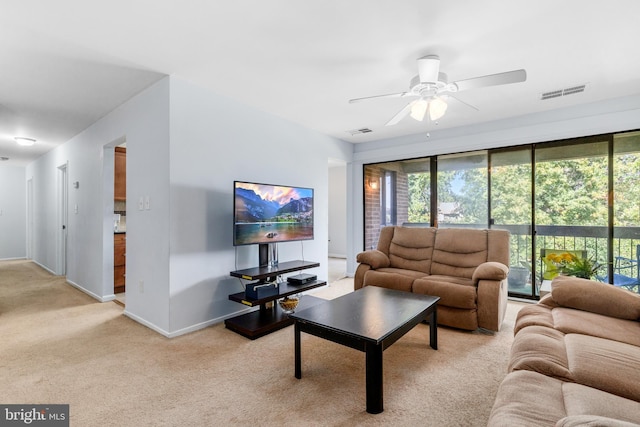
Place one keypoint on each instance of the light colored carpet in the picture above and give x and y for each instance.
(61, 346)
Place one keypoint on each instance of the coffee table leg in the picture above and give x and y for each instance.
(433, 329)
(296, 345)
(374, 378)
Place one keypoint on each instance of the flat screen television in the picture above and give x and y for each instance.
(266, 214)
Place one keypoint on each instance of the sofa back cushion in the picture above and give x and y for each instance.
(457, 252)
(411, 248)
(596, 297)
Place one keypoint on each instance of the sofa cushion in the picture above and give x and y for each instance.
(569, 320)
(457, 252)
(578, 358)
(595, 297)
(412, 248)
(451, 294)
(392, 278)
(528, 398)
(533, 315)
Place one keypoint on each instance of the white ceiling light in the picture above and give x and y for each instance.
(25, 142)
(437, 108)
(419, 108)
(435, 105)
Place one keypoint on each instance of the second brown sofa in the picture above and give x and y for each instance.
(466, 268)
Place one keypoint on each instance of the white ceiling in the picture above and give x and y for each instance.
(66, 63)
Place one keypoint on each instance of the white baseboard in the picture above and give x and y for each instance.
(182, 331)
(105, 298)
(44, 267)
(146, 323)
(12, 259)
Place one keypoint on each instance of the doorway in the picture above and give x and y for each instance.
(63, 209)
(337, 220)
(30, 218)
(115, 224)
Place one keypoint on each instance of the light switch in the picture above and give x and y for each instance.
(75, 209)
(147, 203)
(141, 203)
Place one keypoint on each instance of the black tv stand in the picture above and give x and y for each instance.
(269, 317)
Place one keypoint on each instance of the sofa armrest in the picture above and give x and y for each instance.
(492, 303)
(358, 278)
(490, 271)
(596, 297)
(374, 258)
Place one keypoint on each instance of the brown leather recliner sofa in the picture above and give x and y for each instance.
(466, 268)
(575, 359)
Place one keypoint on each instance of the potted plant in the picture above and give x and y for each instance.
(580, 267)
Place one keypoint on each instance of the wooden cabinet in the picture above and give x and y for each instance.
(119, 262)
(120, 174)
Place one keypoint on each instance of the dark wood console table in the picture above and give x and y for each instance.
(269, 317)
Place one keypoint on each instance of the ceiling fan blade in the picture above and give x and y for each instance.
(462, 102)
(389, 95)
(400, 115)
(428, 68)
(508, 77)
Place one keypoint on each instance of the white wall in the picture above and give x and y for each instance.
(13, 213)
(185, 147)
(338, 211)
(144, 123)
(591, 119)
(214, 141)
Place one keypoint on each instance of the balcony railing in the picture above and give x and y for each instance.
(593, 240)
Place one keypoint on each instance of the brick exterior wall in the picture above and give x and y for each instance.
(372, 200)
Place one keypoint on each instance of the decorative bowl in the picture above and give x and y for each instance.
(289, 303)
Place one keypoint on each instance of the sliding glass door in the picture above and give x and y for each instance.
(511, 197)
(572, 207)
(463, 190)
(624, 271)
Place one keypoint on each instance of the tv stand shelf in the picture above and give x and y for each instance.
(261, 273)
(270, 317)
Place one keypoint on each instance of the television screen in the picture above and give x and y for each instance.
(265, 213)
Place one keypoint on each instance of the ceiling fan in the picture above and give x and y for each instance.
(431, 88)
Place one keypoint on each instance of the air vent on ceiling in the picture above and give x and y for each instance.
(563, 92)
(359, 131)
(3, 159)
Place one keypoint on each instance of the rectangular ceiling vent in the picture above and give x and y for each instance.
(359, 131)
(563, 92)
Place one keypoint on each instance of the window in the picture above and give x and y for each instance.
(574, 196)
(388, 200)
(462, 190)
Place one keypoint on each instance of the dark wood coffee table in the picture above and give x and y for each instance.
(370, 320)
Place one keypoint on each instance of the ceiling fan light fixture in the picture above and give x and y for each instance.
(25, 142)
(437, 108)
(419, 109)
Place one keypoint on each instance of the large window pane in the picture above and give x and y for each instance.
(462, 190)
(626, 207)
(511, 210)
(571, 207)
(419, 192)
